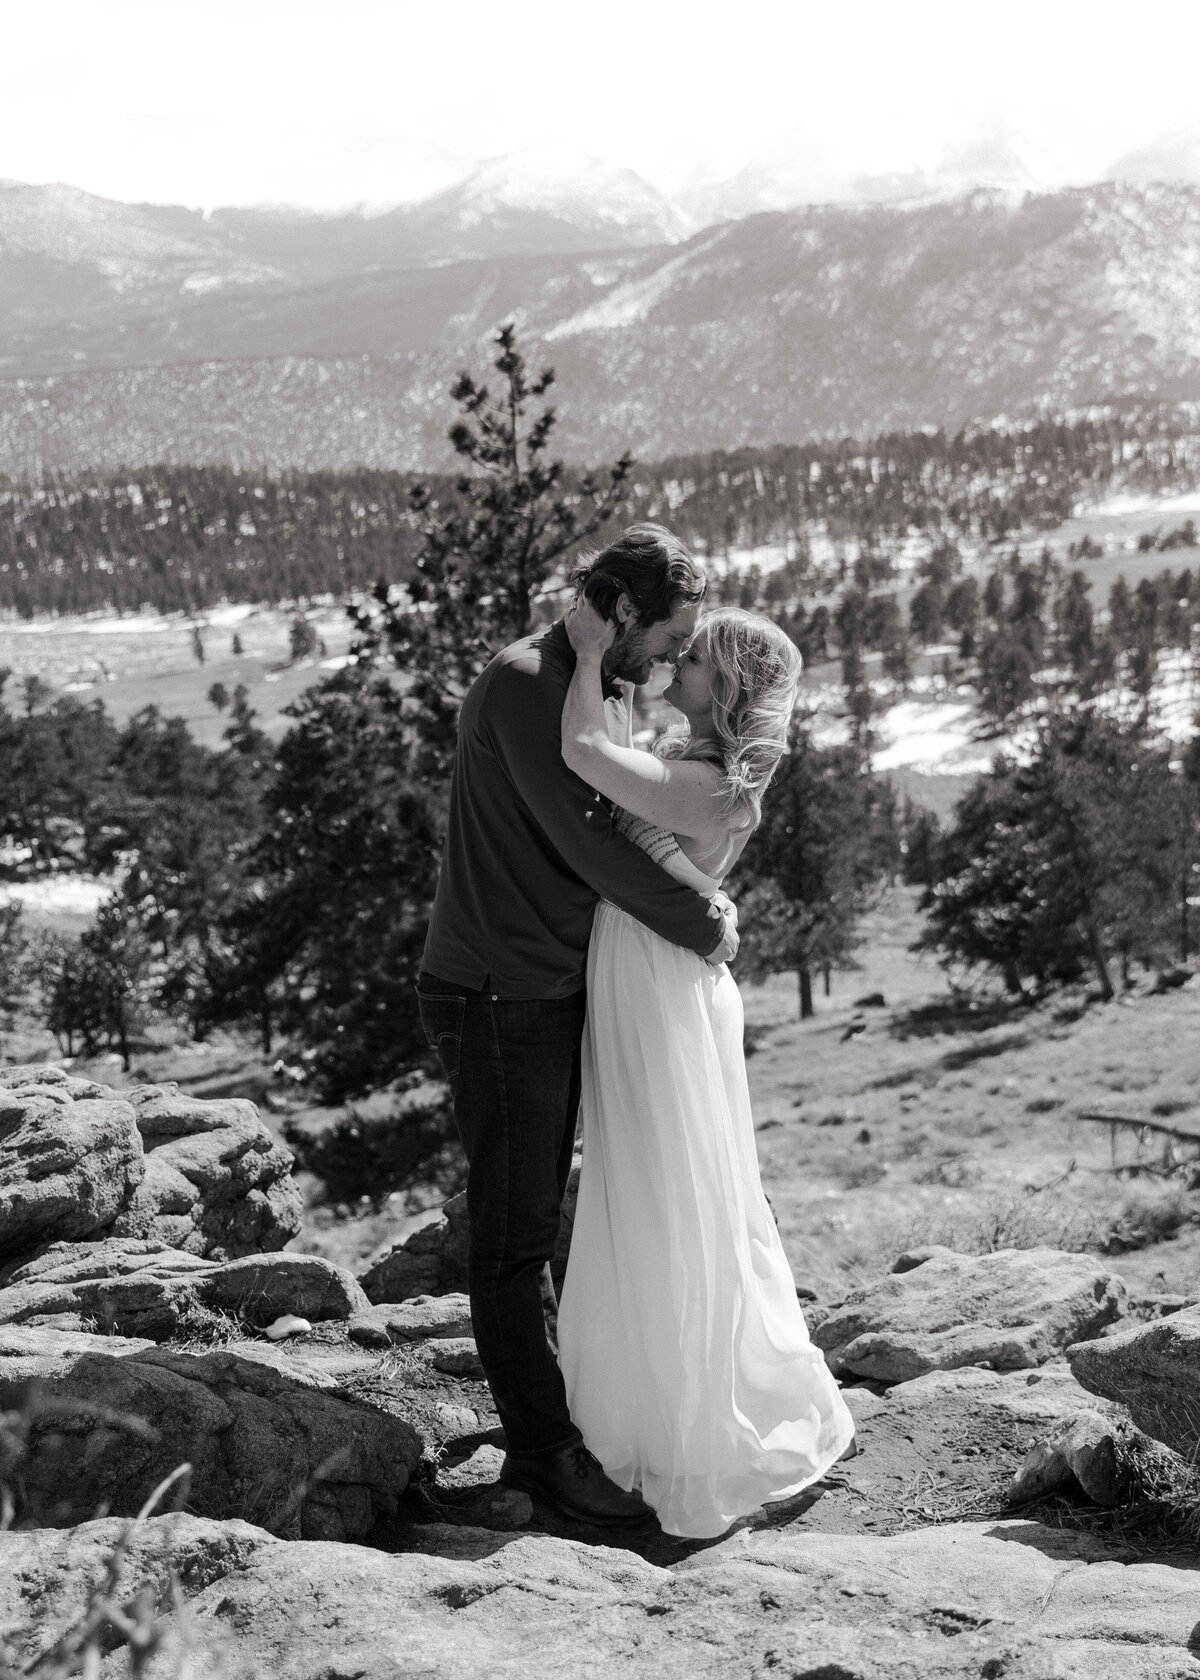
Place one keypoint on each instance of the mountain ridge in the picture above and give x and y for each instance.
(772, 328)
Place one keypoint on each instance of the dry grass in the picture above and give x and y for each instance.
(968, 1108)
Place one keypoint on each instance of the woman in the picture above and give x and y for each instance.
(685, 1354)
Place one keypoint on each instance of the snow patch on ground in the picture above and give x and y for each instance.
(1174, 701)
(1187, 501)
(921, 735)
(65, 895)
(768, 557)
(231, 612)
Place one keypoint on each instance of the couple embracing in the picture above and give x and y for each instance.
(685, 1386)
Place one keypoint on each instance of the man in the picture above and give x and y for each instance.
(529, 849)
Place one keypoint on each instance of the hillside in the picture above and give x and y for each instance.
(781, 326)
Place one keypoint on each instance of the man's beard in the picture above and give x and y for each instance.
(627, 658)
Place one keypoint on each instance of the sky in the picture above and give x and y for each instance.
(335, 102)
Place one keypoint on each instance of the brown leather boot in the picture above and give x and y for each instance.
(572, 1480)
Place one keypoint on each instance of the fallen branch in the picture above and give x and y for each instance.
(1139, 1125)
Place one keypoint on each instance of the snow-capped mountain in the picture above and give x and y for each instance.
(802, 169)
(543, 199)
(62, 249)
(825, 320)
(1174, 156)
(130, 244)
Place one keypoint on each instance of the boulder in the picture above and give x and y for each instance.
(433, 1261)
(1107, 1458)
(1154, 1370)
(308, 1443)
(456, 1356)
(1011, 1310)
(957, 1602)
(68, 1164)
(142, 1287)
(1081, 1452)
(217, 1182)
(78, 1160)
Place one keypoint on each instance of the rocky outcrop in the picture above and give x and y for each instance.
(1011, 1310)
(140, 1287)
(216, 1181)
(308, 1443)
(1154, 1370)
(78, 1160)
(433, 1261)
(997, 1600)
(71, 1158)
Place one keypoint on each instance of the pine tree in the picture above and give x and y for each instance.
(811, 867)
(325, 937)
(483, 553)
(1069, 858)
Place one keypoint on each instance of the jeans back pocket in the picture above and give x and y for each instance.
(442, 1016)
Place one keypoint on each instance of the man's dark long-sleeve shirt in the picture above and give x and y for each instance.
(530, 846)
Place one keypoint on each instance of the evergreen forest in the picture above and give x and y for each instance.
(282, 887)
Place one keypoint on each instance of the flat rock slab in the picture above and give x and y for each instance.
(941, 1447)
(1011, 1310)
(425, 1317)
(131, 1286)
(1006, 1601)
(1154, 1370)
(310, 1443)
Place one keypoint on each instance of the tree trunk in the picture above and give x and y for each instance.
(1184, 929)
(825, 977)
(264, 1021)
(1012, 980)
(1097, 950)
(806, 1002)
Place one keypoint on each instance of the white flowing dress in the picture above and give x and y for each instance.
(687, 1361)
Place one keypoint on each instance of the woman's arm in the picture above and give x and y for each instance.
(677, 794)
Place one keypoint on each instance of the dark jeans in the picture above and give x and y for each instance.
(513, 1068)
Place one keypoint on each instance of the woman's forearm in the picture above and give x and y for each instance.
(584, 722)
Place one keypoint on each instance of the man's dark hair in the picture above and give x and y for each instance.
(647, 563)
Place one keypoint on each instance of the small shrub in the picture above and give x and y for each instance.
(364, 1159)
(859, 1175)
(1145, 1217)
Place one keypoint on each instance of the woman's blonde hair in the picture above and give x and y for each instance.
(755, 674)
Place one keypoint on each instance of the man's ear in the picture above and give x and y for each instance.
(624, 609)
